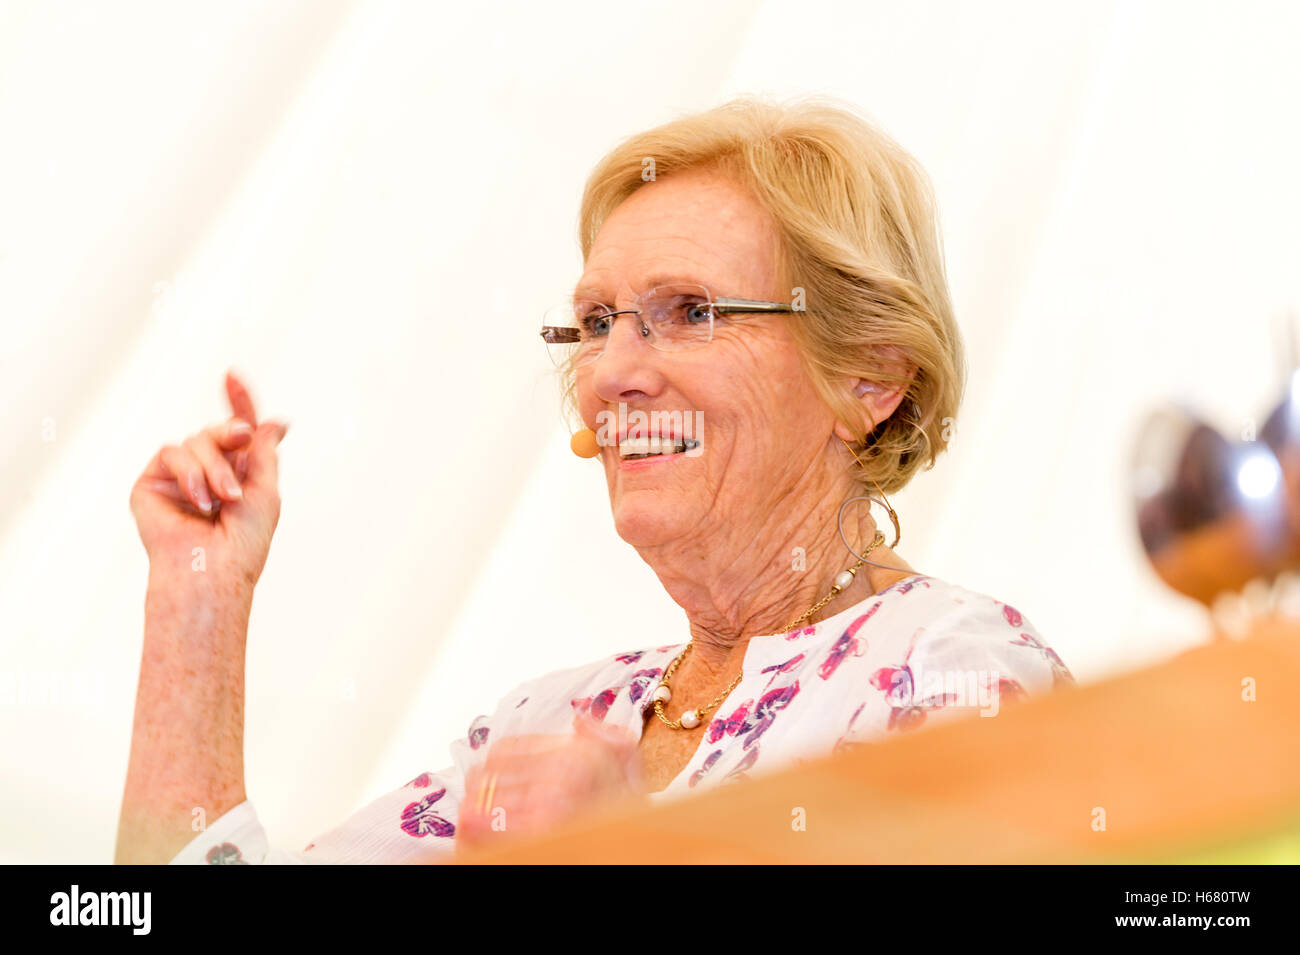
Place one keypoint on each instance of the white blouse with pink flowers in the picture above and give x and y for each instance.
(880, 667)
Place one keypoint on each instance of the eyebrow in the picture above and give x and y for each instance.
(653, 281)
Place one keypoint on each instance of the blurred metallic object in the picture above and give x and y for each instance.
(1212, 514)
(1281, 433)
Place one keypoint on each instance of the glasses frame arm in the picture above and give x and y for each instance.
(736, 306)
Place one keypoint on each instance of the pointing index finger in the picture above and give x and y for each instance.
(241, 403)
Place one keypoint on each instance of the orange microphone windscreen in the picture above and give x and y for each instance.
(584, 443)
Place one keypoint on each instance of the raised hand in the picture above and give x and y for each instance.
(216, 491)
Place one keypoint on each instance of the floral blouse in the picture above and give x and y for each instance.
(918, 652)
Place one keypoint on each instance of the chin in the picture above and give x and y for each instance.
(643, 519)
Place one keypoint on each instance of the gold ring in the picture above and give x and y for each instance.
(489, 792)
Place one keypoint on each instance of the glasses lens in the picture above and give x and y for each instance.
(575, 332)
(672, 318)
(681, 316)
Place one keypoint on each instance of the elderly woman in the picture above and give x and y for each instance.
(760, 346)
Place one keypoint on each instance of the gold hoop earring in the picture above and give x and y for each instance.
(882, 500)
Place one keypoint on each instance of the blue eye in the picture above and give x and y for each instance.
(595, 324)
(699, 313)
(682, 310)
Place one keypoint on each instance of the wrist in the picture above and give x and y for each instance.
(198, 621)
(198, 588)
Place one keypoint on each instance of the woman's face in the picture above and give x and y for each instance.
(764, 430)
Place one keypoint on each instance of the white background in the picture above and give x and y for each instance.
(364, 206)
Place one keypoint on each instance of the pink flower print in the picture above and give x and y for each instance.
(905, 717)
(906, 585)
(799, 634)
(896, 682)
(1012, 615)
(478, 732)
(602, 702)
(1060, 672)
(225, 854)
(704, 769)
(641, 681)
(842, 743)
(730, 725)
(596, 706)
(310, 846)
(904, 710)
(856, 713)
(521, 702)
(847, 644)
(737, 772)
(785, 667)
(630, 658)
(419, 819)
(1009, 691)
(421, 781)
(671, 646)
(766, 711)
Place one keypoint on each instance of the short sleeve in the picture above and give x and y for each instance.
(981, 656)
(967, 655)
(415, 823)
(237, 838)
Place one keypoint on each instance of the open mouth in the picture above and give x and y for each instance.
(630, 449)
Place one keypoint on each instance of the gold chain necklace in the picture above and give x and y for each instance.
(693, 718)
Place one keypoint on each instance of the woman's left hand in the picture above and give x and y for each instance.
(529, 783)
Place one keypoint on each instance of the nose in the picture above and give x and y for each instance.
(629, 327)
(628, 368)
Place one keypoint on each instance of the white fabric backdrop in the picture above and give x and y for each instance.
(364, 206)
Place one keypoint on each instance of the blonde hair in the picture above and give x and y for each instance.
(858, 233)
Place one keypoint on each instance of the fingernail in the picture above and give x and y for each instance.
(232, 488)
(201, 492)
(240, 427)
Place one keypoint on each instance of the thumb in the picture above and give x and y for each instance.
(618, 744)
(262, 462)
(614, 736)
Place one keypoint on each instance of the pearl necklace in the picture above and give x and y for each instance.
(690, 719)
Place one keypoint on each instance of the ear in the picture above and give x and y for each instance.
(877, 402)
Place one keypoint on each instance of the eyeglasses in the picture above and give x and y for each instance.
(671, 318)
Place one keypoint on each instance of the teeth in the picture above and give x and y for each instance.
(644, 447)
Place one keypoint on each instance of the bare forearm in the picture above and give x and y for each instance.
(187, 745)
